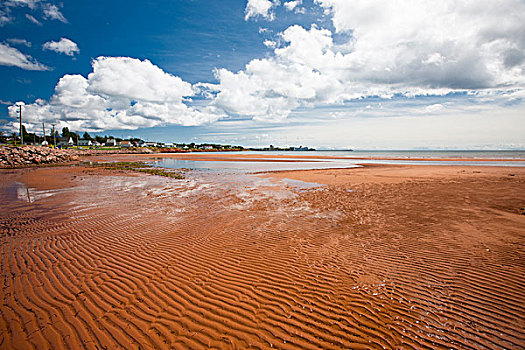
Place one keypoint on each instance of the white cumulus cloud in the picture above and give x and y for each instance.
(120, 93)
(10, 56)
(270, 43)
(382, 49)
(453, 44)
(135, 79)
(262, 8)
(53, 12)
(291, 5)
(64, 45)
(300, 73)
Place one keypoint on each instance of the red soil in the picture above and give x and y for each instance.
(412, 257)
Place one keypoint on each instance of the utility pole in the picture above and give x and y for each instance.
(44, 130)
(21, 133)
(54, 137)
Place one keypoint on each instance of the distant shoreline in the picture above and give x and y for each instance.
(256, 156)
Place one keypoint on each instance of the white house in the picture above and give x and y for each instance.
(111, 142)
(125, 144)
(85, 143)
(65, 141)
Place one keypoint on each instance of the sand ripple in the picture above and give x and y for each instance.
(397, 266)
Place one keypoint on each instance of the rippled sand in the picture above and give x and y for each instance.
(380, 257)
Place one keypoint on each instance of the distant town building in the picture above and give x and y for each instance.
(300, 148)
(111, 142)
(85, 143)
(125, 144)
(65, 141)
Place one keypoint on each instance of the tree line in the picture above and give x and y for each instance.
(31, 137)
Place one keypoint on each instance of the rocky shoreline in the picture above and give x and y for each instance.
(15, 157)
(22, 156)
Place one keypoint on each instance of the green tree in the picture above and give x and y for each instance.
(100, 139)
(28, 137)
(24, 131)
(86, 136)
(66, 132)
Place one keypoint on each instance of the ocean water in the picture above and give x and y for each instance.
(251, 167)
(431, 154)
(508, 158)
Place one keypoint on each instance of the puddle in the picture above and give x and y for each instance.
(22, 192)
(302, 185)
(248, 166)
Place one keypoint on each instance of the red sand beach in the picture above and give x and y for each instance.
(380, 257)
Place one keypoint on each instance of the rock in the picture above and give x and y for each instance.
(27, 155)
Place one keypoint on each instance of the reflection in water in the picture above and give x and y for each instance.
(252, 166)
(302, 185)
(19, 191)
(248, 166)
(22, 192)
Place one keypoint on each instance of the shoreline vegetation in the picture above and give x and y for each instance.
(138, 167)
(73, 140)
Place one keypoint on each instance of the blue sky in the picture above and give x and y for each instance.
(324, 73)
(185, 38)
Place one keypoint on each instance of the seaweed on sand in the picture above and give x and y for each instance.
(139, 167)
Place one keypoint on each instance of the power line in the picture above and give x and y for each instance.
(54, 137)
(21, 133)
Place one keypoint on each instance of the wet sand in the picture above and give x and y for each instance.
(379, 257)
